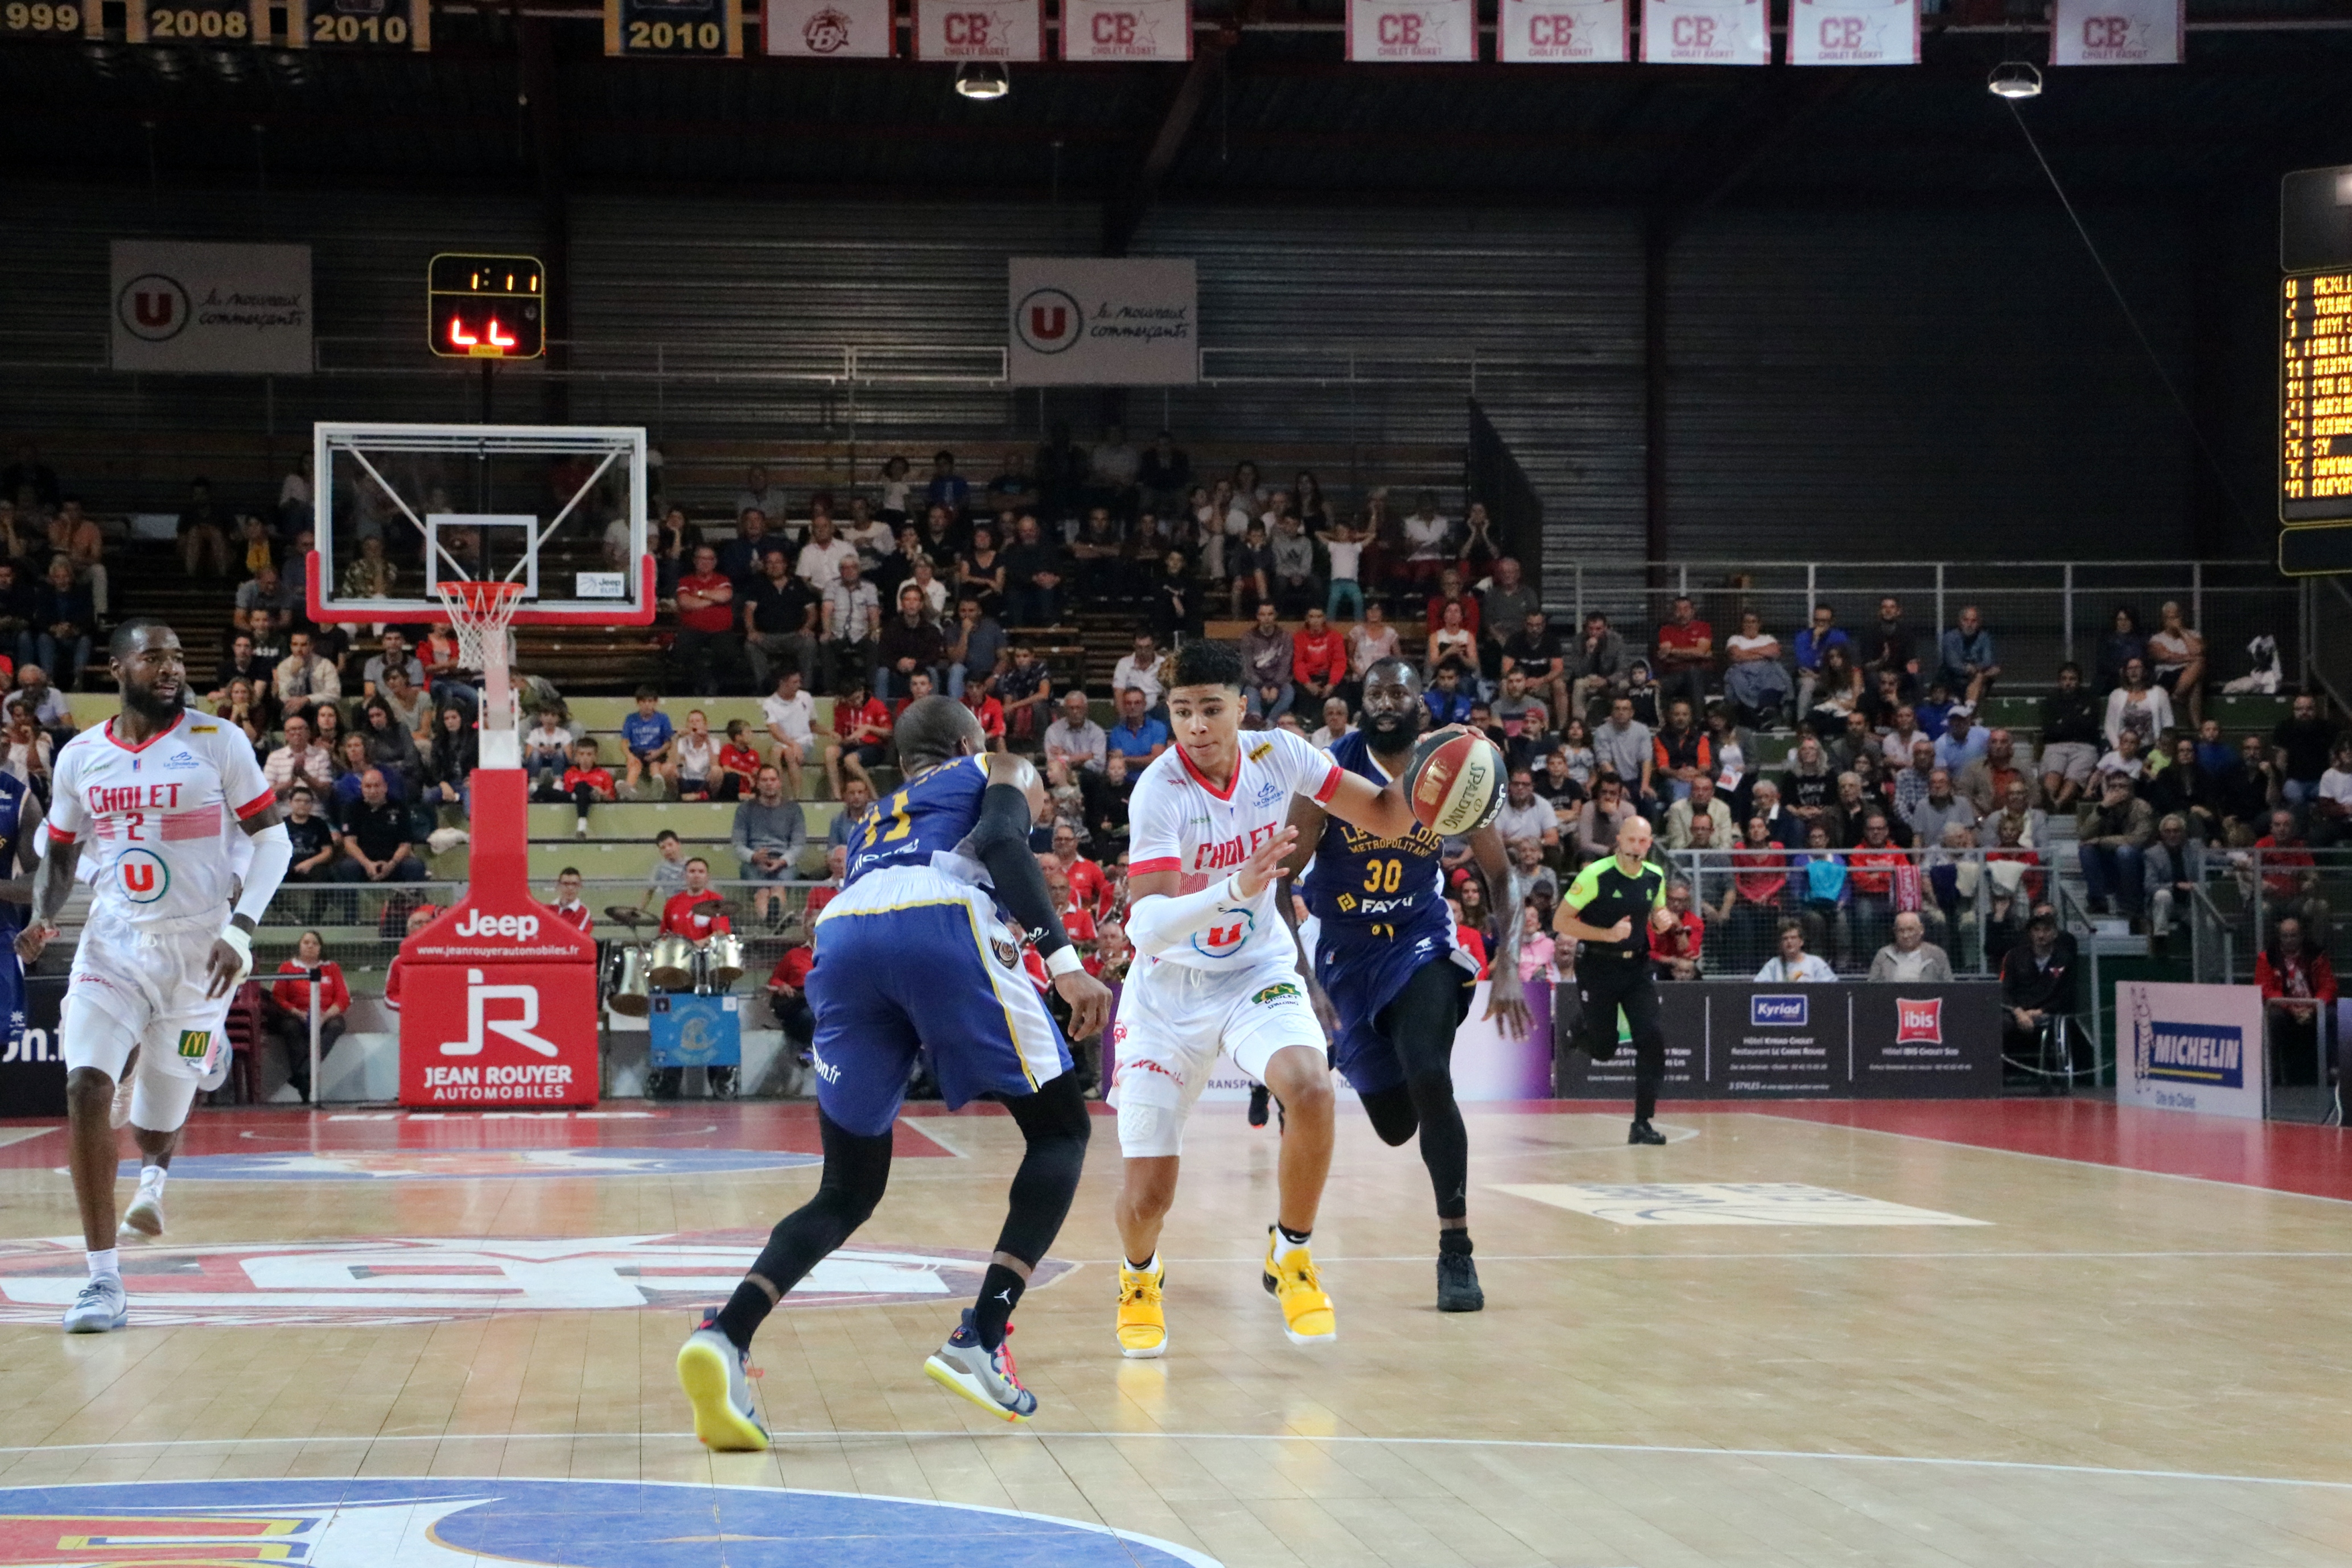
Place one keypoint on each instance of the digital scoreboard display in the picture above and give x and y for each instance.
(2316, 397)
(485, 307)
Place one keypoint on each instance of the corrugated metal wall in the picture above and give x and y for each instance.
(1947, 382)
(1932, 383)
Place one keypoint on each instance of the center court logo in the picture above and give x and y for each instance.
(458, 1521)
(1781, 1012)
(425, 1279)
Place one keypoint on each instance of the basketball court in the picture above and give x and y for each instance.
(1987, 1333)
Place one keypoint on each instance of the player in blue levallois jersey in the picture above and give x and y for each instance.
(916, 953)
(1388, 974)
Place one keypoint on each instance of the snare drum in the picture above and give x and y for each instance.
(723, 959)
(672, 968)
(631, 988)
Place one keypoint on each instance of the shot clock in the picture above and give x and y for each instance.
(487, 306)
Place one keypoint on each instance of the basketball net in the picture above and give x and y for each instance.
(480, 614)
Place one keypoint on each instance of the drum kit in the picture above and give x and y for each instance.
(669, 963)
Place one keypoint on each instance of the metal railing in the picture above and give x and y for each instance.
(1968, 915)
(2041, 613)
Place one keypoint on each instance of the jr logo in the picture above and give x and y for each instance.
(477, 999)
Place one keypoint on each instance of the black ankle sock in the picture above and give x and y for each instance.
(1449, 1241)
(745, 1311)
(1295, 1238)
(1000, 1292)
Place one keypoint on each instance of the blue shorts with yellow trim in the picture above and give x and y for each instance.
(913, 959)
(1362, 969)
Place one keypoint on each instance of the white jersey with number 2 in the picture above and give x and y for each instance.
(1179, 821)
(156, 817)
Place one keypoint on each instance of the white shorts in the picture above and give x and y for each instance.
(145, 985)
(1173, 1018)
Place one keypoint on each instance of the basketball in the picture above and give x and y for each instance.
(1455, 783)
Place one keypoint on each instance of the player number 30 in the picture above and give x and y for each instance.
(703, 36)
(24, 18)
(197, 24)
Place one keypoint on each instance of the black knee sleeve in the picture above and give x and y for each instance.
(857, 1170)
(1056, 1126)
(1392, 1115)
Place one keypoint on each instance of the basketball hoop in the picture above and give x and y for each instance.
(482, 612)
(479, 614)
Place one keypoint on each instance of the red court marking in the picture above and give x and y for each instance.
(249, 1130)
(2282, 1156)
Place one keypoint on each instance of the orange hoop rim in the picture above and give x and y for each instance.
(481, 596)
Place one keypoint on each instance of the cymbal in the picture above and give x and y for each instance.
(629, 914)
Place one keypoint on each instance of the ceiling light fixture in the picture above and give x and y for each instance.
(981, 79)
(2014, 79)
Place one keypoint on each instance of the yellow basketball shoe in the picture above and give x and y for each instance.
(1291, 1280)
(1142, 1318)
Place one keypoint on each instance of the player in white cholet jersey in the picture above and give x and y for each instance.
(1217, 968)
(158, 792)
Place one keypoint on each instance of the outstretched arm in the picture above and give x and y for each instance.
(1506, 890)
(1306, 820)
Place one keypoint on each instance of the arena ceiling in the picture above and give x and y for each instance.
(521, 98)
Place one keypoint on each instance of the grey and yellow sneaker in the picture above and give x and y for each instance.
(985, 1377)
(715, 1378)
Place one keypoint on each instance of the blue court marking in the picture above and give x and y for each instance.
(473, 1165)
(443, 1522)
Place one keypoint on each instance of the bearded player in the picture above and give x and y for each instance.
(154, 789)
(1387, 966)
(1218, 967)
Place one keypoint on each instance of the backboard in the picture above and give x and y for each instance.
(559, 508)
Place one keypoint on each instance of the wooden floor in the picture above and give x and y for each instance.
(1982, 1334)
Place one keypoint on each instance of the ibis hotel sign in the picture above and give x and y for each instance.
(1084, 321)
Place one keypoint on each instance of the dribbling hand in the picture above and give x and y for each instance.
(1264, 861)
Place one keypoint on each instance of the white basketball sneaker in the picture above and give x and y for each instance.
(100, 1308)
(143, 1220)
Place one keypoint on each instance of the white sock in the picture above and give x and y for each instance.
(103, 1265)
(1151, 1265)
(1283, 1246)
(152, 1175)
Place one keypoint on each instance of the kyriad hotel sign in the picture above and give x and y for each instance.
(1080, 321)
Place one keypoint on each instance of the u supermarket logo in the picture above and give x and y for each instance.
(143, 876)
(153, 307)
(1047, 321)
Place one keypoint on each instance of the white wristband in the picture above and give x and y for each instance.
(236, 937)
(1063, 961)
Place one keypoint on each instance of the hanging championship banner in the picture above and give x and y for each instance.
(1854, 32)
(1705, 33)
(1126, 29)
(2116, 32)
(1412, 32)
(830, 29)
(1010, 30)
(1560, 32)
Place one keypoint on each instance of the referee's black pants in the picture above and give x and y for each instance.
(1605, 983)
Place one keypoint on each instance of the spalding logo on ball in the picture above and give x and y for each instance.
(1455, 783)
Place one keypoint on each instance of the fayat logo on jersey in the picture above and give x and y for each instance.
(443, 1521)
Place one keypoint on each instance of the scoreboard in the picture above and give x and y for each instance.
(485, 307)
(2316, 397)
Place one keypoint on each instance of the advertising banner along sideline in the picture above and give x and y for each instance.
(2190, 1048)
